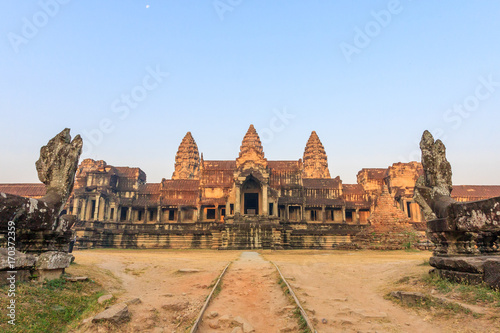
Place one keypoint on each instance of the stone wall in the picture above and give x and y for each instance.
(258, 233)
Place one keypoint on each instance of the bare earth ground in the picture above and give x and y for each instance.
(342, 291)
(250, 291)
(171, 300)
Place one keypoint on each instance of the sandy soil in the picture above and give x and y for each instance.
(171, 300)
(342, 291)
(347, 293)
(250, 291)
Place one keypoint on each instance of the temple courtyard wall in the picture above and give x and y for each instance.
(213, 235)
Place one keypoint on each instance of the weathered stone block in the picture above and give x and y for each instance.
(409, 298)
(53, 260)
(117, 314)
(22, 260)
(460, 264)
(472, 278)
(492, 273)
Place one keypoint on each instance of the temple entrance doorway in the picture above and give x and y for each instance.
(251, 196)
(251, 203)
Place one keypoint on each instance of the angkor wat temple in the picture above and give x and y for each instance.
(249, 202)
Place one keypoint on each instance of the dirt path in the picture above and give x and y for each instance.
(250, 297)
(346, 295)
(172, 285)
(341, 291)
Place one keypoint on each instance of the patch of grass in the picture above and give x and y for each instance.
(55, 306)
(217, 289)
(433, 305)
(302, 322)
(283, 286)
(473, 294)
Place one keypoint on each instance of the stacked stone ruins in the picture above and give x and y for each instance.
(36, 232)
(247, 202)
(466, 234)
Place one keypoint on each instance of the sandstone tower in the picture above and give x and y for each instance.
(315, 160)
(187, 160)
(251, 149)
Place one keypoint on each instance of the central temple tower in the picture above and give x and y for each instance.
(251, 177)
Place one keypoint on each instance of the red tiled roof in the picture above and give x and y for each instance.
(284, 165)
(321, 183)
(130, 172)
(149, 201)
(150, 188)
(349, 189)
(475, 192)
(29, 190)
(180, 184)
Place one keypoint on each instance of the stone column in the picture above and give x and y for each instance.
(275, 207)
(158, 214)
(287, 212)
(88, 209)
(343, 215)
(323, 213)
(228, 208)
(200, 213)
(357, 215)
(265, 205)
(76, 203)
(405, 207)
(179, 214)
(237, 201)
(85, 214)
(129, 214)
(96, 210)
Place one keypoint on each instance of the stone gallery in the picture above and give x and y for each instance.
(248, 202)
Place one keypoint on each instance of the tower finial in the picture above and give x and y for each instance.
(315, 159)
(187, 159)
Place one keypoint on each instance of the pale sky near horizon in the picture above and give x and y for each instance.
(133, 76)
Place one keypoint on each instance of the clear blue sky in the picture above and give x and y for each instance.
(369, 88)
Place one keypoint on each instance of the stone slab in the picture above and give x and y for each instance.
(472, 278)
(460, 264)
(117, 314)
(53, 260)
(492, 273)
(21, 260)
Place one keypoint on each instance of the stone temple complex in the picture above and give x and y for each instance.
(246, 202)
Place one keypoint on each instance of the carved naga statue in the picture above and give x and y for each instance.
(433, 188)
(56, 168)
(457, 228)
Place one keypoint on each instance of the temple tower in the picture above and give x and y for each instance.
(187, 160)
(251, 149)
(251, 177)
(315, 159)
